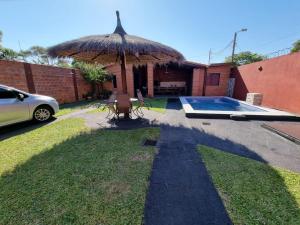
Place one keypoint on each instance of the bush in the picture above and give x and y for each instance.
(94, 74)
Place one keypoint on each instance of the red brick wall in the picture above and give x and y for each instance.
(83, 86)
(278, 81)
(13, 74)
(48, 80)
(221, 90)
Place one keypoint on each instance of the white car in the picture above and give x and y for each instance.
(18, 106)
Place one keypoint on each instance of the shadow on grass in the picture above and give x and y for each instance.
(21, 128)
(80, 104)
(97, 177)
(101, 178)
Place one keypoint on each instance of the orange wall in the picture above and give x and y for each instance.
(278, 81)
(221, 90)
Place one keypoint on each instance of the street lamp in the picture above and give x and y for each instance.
(234, 42)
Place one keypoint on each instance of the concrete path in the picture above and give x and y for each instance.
(181, 191)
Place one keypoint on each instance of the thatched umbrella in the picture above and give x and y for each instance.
(118, 47)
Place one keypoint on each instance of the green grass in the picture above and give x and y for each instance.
(73, 107)
(64, 173)
(254, 192)
(158, 104)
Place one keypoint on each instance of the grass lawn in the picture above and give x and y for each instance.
(253, 192)
(72, 107)
(64, 173)
(158, 104)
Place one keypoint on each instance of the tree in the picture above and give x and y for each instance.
(1, 35)
(296, 46)
(243, 58)
(6, 53)
(94, 74)
(36, 54)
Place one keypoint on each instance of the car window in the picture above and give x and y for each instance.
(17, 93)
(6, 94)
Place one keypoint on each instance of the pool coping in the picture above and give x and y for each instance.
(269, 113)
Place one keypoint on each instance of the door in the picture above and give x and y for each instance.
(12, 110)
(230, 88)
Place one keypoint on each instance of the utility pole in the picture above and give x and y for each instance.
(209, 56)
(234, 43)
(233, 47)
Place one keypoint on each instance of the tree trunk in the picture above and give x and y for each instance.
(93, 89)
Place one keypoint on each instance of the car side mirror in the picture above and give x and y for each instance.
(20, 97)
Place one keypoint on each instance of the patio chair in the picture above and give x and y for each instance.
(141, 103)
(110, 105)
(123, 105)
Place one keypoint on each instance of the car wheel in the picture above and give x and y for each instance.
(42, 114)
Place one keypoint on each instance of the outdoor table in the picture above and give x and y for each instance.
(131, 100)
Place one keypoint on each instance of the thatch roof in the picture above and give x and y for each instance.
(106, 49)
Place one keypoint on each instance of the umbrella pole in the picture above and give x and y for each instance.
(123, 75)
(123, 72)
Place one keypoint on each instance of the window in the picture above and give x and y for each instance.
(213, 79)
(6, 94)
(114, 80)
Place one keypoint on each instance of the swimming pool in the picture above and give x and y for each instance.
(220, 104)
(225, 106)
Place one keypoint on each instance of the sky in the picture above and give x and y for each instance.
(193, 27)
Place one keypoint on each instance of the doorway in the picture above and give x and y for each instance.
(140, 79)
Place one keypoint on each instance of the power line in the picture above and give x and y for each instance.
(277, 53)
(222, 50)
(279, 39)
(218, 52)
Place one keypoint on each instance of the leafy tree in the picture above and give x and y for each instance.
(36, 54)
(6, 53)
(64, 62)
(94, 74)
(243, 58)
(1, 35)
(296, 46)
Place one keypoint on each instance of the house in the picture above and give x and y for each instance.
(173, 79)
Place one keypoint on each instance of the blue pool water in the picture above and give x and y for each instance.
(220, 104)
